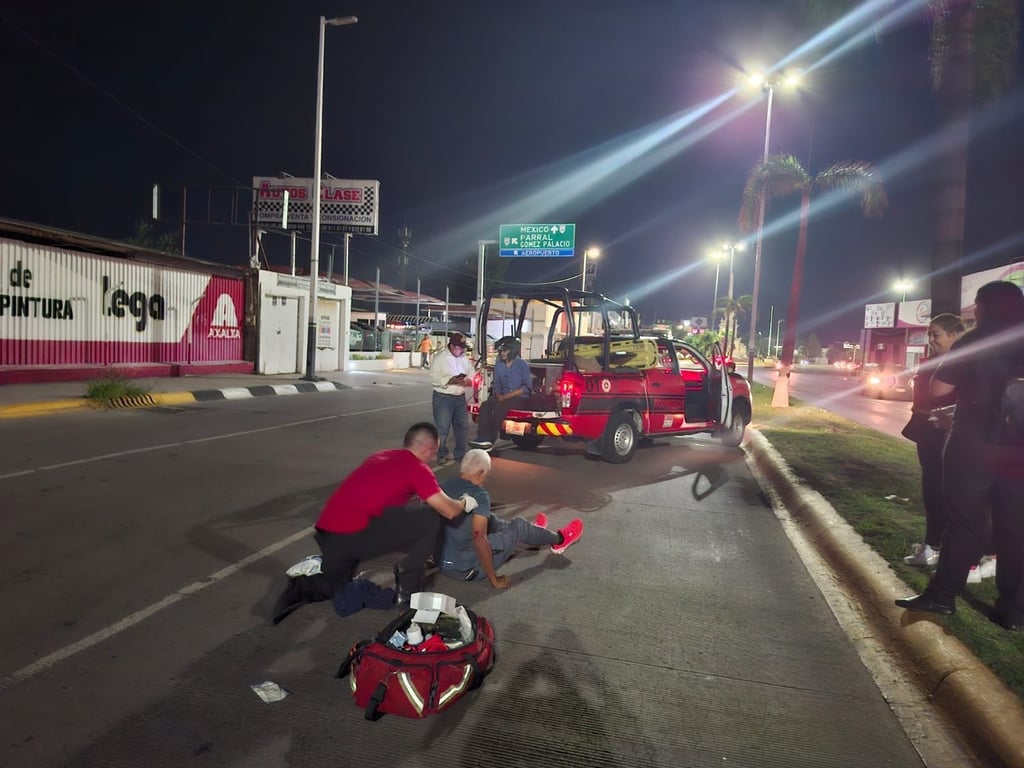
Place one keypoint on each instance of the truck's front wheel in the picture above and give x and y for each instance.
(620, 438)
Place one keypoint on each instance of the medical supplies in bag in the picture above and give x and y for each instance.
(453, 651)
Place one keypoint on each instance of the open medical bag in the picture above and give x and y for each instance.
(388, 676)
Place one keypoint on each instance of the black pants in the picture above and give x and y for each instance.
(492, 413)
(414, 530)
(929, 455)
(975, 482)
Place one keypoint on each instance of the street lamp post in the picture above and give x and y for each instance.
(314, 260)
(768, 84)
(730, 249)
(778, 331)
(716, 255)
(588, 254)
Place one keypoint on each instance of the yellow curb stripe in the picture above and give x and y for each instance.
(173, 398)
(22, 410)
(37, 409)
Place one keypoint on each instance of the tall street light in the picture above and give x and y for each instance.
(902, 286)
(314, 261)
(730, 249)
(767, 83)
(717, 257)
(588, 255)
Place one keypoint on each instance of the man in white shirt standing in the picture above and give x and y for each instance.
(451, 376)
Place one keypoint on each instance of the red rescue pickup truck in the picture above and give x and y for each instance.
(597, 380)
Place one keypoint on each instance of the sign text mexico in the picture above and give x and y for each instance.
(533, 240)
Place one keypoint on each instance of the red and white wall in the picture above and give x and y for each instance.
(64, 308)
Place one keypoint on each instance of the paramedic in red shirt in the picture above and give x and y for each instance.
(370, 515)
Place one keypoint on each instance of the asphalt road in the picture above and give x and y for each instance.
(142, 550)
(834, 391)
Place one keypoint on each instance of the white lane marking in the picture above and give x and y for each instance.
(131, 620)
(228, 436)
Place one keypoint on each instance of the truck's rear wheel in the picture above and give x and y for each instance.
(620, 438)
(526, 442)
(732, 435)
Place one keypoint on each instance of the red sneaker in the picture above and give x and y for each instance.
(541, 520)
(570, 535)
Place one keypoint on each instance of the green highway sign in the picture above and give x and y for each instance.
(536, 240)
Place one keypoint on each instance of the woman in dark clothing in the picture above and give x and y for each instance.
(979, 474)
(930, 437)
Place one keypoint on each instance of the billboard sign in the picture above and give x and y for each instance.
(346, 205)
(880, 315)
(536, 240)
(914, 314)
(969, 285)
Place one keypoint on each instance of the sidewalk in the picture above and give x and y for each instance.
(987, 712)
(20, 400)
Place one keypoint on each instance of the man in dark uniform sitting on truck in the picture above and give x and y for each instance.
(510, 389)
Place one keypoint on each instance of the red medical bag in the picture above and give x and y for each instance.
(415, 683)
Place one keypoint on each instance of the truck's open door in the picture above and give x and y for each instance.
(724, 385)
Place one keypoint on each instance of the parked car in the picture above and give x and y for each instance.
(887, 382)
(403, 342)
(355, 339)
(369, 340)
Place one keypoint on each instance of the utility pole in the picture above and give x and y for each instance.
(405, 235)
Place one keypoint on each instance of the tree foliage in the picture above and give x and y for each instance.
(146, 236)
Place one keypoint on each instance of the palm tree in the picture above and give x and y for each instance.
(731, 310)
(782, 175)
(973, 56)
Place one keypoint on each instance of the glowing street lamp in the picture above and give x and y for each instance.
(902, 286)
(767, 83)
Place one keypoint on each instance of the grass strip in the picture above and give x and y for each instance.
(874, 482)
(107, 390)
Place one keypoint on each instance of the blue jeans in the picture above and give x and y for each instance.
(505, 538)
(450, 416)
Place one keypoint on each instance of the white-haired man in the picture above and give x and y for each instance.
(477, 543)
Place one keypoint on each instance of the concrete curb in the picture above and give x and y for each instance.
(988, 713)
(150, 400)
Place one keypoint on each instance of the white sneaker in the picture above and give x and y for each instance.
(974, 576)
(987, 567)
(922, 555)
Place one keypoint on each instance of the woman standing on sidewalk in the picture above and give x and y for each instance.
(930, 438)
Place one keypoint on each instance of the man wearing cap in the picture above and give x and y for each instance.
(510, 389)
(451, 376)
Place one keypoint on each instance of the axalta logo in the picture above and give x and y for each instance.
(224, 324)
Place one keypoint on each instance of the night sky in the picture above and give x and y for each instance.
(475, 114)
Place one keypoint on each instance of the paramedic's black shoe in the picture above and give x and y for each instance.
(924, 602)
